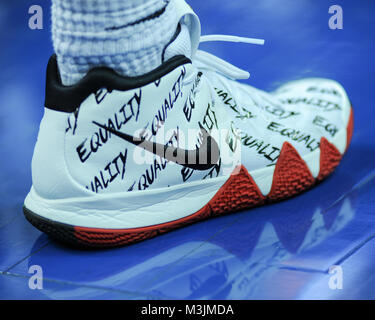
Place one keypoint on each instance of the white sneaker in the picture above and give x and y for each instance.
(119, 160)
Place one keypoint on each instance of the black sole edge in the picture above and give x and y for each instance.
(60, 232)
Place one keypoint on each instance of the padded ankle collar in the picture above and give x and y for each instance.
(69, 98)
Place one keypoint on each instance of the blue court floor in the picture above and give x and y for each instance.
(281, 251)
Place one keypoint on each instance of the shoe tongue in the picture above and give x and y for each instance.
(187, 40)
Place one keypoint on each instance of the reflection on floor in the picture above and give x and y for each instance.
(281, 251)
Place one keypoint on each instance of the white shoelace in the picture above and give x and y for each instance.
(204, 59)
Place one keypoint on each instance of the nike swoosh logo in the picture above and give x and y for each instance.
(203, 158)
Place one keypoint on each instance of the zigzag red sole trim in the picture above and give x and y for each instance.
(350, 129)
(330, 158)
(291, 176)
(238, 192)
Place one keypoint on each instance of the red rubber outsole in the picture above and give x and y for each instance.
(291, 177)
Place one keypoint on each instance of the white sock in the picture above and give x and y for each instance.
(130, 36)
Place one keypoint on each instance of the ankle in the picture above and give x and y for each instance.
(132, 37)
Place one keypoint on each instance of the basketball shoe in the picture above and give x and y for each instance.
(119, 160)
